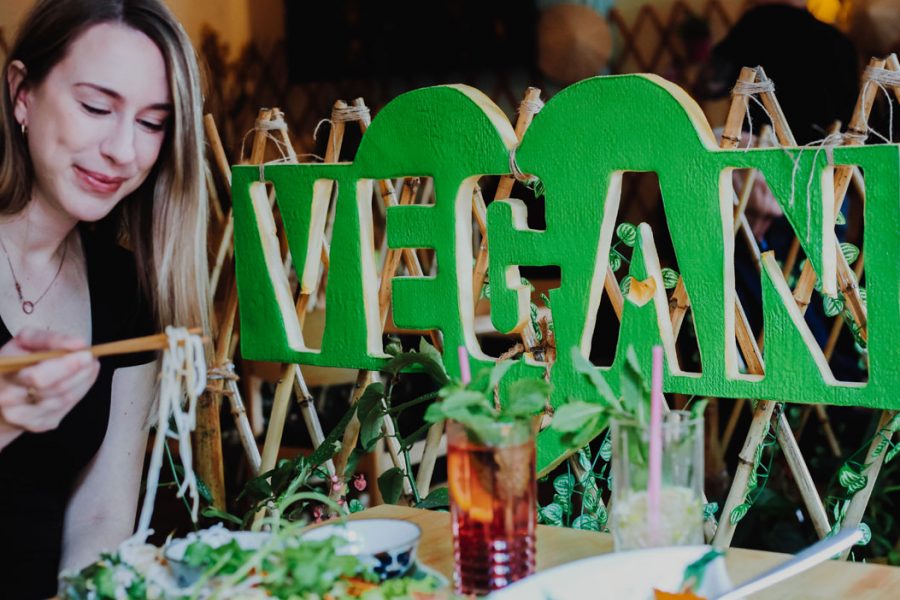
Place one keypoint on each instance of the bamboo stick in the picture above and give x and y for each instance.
(504, 189)
(158, 341)
(238, 411)
(208, 433)
(860, 500)
(410, 259)
(805, 484)
(873, 463)
(348, 442)
(245, 433)
(746, 462)
(842, 178)
(291, 373)
(765, 409)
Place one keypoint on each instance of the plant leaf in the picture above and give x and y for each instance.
(584, 366)
(564, 485)
(892, 453)
(840, 219)
(497, 372)
(572, 416)
(438, 498)
(867, 535)
(832, 306)
(371, 398)
(850, 479)
(370, 429)
(215, 513)
(552, 514)
(586, 523)
(698, 408)
(606, 448)
(635, 393)
(627, 233)
(625, 285)
(390, 484)
(204, 490)
(332, 442)
(670, 278)
(434, 363)
(527, 397)
(851, 252)
(615, 260)
(739, 512)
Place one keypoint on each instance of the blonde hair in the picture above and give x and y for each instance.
(164, 221)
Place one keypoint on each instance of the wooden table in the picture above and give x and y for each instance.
(557, 545)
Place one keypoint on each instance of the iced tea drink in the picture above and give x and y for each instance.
(492, 502)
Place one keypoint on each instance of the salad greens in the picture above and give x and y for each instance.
(284, 567)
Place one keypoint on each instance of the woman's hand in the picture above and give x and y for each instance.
(38, 397)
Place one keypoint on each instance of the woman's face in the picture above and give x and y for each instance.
(97, 122)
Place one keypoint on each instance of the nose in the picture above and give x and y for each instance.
(118, 144)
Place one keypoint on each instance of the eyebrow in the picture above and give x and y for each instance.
(117, 96)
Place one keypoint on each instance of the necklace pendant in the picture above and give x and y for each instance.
(28, 307)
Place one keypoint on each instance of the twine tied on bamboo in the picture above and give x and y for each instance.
(751, 89)
(267, 126)
(344, 114)
(225, 372)
(826, 144)
(531, 107)
(883, 78)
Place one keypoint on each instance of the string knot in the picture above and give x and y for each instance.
(344, 114)
(882, 76)
(753, 88)
(532, 107)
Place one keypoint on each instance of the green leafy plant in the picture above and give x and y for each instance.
(477, 404)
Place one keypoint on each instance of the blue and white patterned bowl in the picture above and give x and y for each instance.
(387, 545)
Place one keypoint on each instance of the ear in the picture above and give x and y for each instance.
(18, 93)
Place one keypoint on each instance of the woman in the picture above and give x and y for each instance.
(101, 147)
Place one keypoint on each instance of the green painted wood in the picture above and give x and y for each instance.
(579, 146)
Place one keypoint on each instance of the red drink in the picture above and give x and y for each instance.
(492, 492)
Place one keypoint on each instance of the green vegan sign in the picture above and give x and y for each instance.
(579, 146)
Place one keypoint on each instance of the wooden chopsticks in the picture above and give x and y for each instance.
(158, 341)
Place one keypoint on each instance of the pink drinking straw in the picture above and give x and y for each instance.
(464, 372)
(654, 483)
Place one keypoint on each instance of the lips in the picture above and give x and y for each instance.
(98, 183)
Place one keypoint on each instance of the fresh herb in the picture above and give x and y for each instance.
(478, 405)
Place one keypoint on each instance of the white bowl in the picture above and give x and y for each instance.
(388, 546)
(621, 575)
(184, 574)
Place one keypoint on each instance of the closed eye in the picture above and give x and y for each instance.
(94, 110)
(152, 125)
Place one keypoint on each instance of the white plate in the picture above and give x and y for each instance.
(622, 575)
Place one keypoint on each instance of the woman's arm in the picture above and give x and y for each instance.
(101, 510)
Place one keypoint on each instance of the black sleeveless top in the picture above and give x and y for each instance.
(38, 470)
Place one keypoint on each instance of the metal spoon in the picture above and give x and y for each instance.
(815, 554)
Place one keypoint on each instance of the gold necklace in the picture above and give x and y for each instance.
(28, 305)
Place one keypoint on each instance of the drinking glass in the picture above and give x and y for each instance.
(492, 504)
(679, 520)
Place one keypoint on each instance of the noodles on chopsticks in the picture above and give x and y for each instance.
(182, 380)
